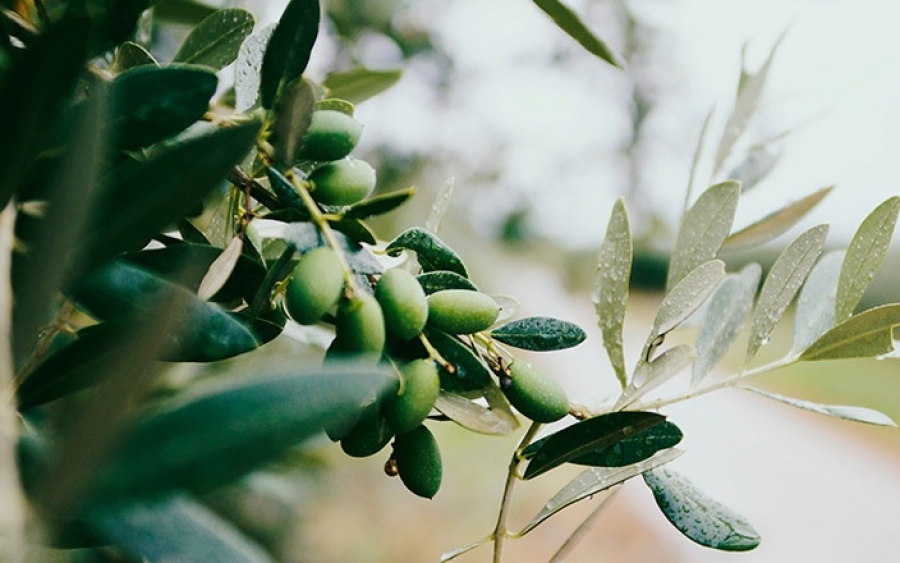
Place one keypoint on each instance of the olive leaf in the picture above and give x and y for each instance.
(649, 375)
(700, 518)
(493, 420)
(131, 55)
(569, 22)
(783, 283)
(816, 302)
(610, 294)
(379, 204)
(856, 414)
(864, 256)
(304, 236)
(470, 374)
(220, 270)
(440, 280)
(865, 335)
(695, 160)
(724, 318)
(247, 68)
(588, 436)
(756, 166)
(431, 251)
(539, 334)
(292, 116)
(439, 207)
(285, 190)
(215, 41)
(776, 223)
(703, 229)
(288, 50)
(359, 84)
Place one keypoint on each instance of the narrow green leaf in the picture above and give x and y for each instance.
(131, 55)
(174, 529)
(475, 417)
(865, 335)
(703, 229)
(756, 166)
(247, 68)
(865, 255)
(588, 436)
(293, 114)
(439, 207)
(594, 480)
(216, 40)
(783, 283)
(610, 295)
(539, 334)
(454, 553)
(651, 375)
(359, 84)
(431, 251)
(440, 280)
(380, 204)
(775, 224)
(220, 270)
(211, 439)
(700, 518)
(569, 22)
(724, 318)
(355, 230)
(633, 449)
(471, 375)
(816, 303)
(855, 414)
(285, 191)
(695, 161)
(287, 52)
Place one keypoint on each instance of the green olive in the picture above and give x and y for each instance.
(358, 328)
(315, 286)
(421, 385)
(369, 435)
(461, 311)
(535, 395)
(343, 182)
(403, 302)
(419, 461)
(331, 135)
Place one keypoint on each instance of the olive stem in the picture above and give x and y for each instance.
(500, 531)
(47, 334)
(275, 274)
(318, 218)
(435, 355)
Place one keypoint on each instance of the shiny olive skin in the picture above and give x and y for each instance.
(358, 328)
(535, 395)
(403, 303)
(331, 135)
(461, 311)
(315, 285)
(369, 435)
(419, 461)
(342, 182)
(421, 386)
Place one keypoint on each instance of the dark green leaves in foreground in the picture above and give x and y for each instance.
(589, 436)
(700, 518)
(431, 251)
(568, 21)
(627, 451)
(539, 334)
(209, 440)
(287, 53)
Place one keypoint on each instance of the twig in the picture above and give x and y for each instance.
(500, 531)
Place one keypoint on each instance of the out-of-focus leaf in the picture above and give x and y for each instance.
(776, 223)
(209, 440)
(539, 334)
(174, 529)
(703, 229)
(783, 283)
(650, 375)
(633, 449)
(439, 207)
(864, 256)
(745, 106)
(305, 236)
(247, 68)
(610, 294)
(471, 374)
(379, 205)
(700, 518)
(865, 335)
(145, 197)
(151, 103)
(216, 40)
(756, 166)
(431, 251)
(475, 417)
(288, 50)
(855, 414)
(336, 104)
(131, 55)
(37, 97)
(588, 436)
(440, 280)
(816, 303)
(113, 21)
(724, 318)
(695, 160)
(569, 22)
(594, 480)
(359, 84)
(454, 553)
(220, 270)
(293, 114)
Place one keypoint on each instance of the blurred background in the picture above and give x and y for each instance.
(539, 138)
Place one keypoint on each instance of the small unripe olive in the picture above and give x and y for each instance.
(403, 303)
(460, 311)
(535, 395)
(343, 182)
(358, 327)
(315, 286)
(369, 435)
(331, 135)
(421, 386)
(419, 461)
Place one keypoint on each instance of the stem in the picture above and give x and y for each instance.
(47, 334)
(500, 531)
(275, 274)
(567, 546)
(435, 355)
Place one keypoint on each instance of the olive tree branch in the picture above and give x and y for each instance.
(500, 530)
